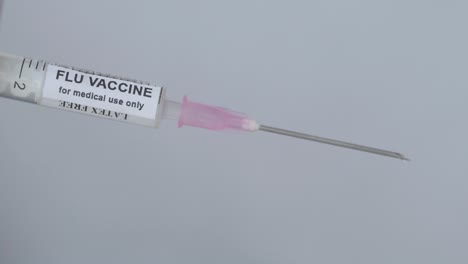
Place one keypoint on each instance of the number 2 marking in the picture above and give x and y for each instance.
(21, 86)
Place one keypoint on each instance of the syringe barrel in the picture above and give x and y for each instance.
(16, 84)
(81, 91)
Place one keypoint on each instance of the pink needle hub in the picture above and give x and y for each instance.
(214, 117)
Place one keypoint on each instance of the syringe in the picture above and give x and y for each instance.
(127, 100)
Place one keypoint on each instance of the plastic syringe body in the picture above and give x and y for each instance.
(128, 100)
(111, 97)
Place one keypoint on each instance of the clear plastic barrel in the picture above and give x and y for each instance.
(21, 78)
(24, 79)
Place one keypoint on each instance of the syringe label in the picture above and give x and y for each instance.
(112, 94)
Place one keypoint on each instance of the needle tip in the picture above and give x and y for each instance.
(400, 156)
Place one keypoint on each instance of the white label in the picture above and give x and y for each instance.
(93, 90)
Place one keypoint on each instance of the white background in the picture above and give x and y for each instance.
(390, 74)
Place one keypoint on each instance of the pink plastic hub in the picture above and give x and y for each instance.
(213, 117)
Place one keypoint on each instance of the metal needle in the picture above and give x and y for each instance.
(333, 142)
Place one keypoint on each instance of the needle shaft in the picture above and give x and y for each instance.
(332, 142)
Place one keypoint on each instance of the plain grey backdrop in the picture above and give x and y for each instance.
(390, 74)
